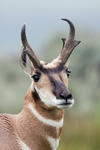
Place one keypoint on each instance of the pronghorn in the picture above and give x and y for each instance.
(38, 126)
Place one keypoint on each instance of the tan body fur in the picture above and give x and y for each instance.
(26, 127)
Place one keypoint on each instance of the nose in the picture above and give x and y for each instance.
(66, 96)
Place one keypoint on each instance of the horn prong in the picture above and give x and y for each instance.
(68, 44)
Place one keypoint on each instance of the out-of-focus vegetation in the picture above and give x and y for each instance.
(82, 122)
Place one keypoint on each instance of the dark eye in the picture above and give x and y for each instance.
(36, 77)
(68, 72)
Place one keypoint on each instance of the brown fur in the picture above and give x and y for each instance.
(27, 127)
(54, 114)
(8, 138)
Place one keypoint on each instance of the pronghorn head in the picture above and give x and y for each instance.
(49, 80)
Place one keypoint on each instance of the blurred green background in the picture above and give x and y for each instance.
(82, 122)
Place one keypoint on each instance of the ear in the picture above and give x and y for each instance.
(25, 62)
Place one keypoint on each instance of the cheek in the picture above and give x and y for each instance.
(46, 97)
(44, 91)
(66, 83)
(43, 82)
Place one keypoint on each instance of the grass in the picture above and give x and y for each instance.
(80, 134)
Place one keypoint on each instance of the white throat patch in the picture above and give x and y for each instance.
(53, 142)
(23, 145)
(50, 122)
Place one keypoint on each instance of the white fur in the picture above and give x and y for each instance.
(71, 101)
(50, 122)
(53, 142)
(50, 100)
(23, 145)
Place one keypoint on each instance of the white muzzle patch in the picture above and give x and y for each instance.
(51, 101)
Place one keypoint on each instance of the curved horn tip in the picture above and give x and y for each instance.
(69, 22)
(72, 29)
(23, 28)
(23, 35)
(64, 19)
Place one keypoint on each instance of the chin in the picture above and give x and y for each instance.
(68, 104)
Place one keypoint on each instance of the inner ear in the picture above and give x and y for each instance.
(25, 62)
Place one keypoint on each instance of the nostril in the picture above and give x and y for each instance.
(62, 96)
(65, 96)
(69, 96)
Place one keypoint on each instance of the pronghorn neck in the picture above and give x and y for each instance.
(33, 99)
(38, 126)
